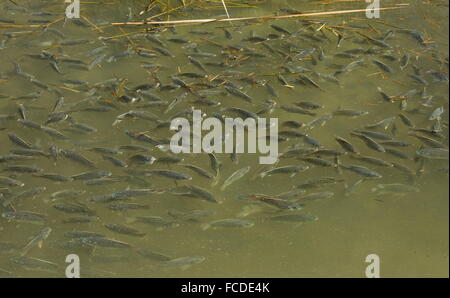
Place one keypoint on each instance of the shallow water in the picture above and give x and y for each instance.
(408, 231)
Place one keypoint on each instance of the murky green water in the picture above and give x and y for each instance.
(408, 230)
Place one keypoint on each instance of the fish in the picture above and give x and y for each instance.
(77, 157)
(346, 145)
(363, 171)
(35, 264)
(292, 170)
(154, 255)
(369, 142)
(29, 152)
(10, 181)
(297, 110)
(318, 161)
(350, 113)
(383, 66)
(406, 120)
(67, 193)
(25, 216)
(298, 218)
(238, 93)
(394, 188)
(202, 193)
(183, 262)
(318, 182)
(428, 141)
(198, 170)
(53, 176)
(372, 160)
(82, 234)
(126, 206)
(122, 229)
(436, 114)
(22, 169)
(234, 177)
(316, 196)
(36, 241)
(157, 221)
(104, 242)
(433, 153)
(169, 174)
(19, 141)
(277, 202)
(25, 194)
(91, 175)
(73, 208)
(191, 215)
(374, 134)
(132, 193)
(229, 223)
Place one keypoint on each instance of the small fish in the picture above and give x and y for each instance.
(316, 196)
(67, 193)
(404, 61)
(122, 229)
(292, 170)
(406, 120)
(29, 152)
(369, 142)
(382, 66)
(229, 223)
(298, 110)
(238, 93)
(170, 174)
(73, 208)
(53, 132)
(198, 170)
(104, 242)
(363, 171)
(91, 175)
(394, 188)
(279, 203)
(53, 176)
(192, 215)
(126, 206)
(372, 160)
(234, 177)
(346, 145)
(10, 182)
(428, 141)
(25, 216)
(318, 161)
(197, 63)
(25, 194)
(115, 161)
(350, 113)
(385, 123)
(80, 219)
(35, 264)
(373, 134)
(19, 141)
(299, 218)
(433, 153)
(154, 255)
(183, 262)
(36, 241)
(157, 221)
(202, 193)
(77, 157)
(436, 114)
